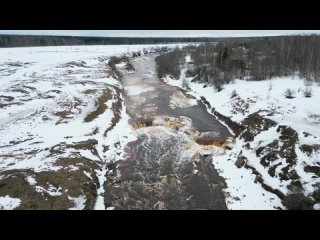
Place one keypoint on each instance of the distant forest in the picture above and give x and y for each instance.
(37, 41)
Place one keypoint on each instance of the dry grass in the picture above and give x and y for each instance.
(309, 149)
(101, 107)
(72, 183)
(116, 108)
(63, 114)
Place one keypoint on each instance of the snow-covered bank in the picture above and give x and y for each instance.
(240, 99)
(300, 113)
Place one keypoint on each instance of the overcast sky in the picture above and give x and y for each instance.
(161, 33)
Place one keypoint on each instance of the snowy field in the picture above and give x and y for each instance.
(60, 102)
(266, 97)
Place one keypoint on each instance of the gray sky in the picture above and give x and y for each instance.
(161, 33)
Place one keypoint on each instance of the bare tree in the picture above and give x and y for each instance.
(270, 86)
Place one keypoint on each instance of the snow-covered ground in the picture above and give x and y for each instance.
(9, 203)
(53, 90)
(53, 100)
(300, 113)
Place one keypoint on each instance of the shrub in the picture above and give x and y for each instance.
(161, 50)
(289, 93)
(308, 82)
(113, 61)
(218, 85)
(169, 63)
(116, 60)
(185, 83)
(129, 66)
(145, 51)
(234, 93)
(307, 92)
(136, 54)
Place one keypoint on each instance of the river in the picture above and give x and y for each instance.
(165, 168)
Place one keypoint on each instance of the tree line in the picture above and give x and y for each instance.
(37, 40)
(257, 59)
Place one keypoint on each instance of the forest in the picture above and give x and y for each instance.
(37, 40)
(260, 59)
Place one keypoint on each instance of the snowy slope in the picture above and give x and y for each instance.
(267, 98)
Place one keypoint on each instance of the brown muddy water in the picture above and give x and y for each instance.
(165, 168)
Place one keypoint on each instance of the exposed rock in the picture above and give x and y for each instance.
(110, 165)
(253, 125)
(297, 201)
(88, 142)
(309, 149)
(228, 147)
(241, 160)
(306, 134)
(313, 169)
(258, 179)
